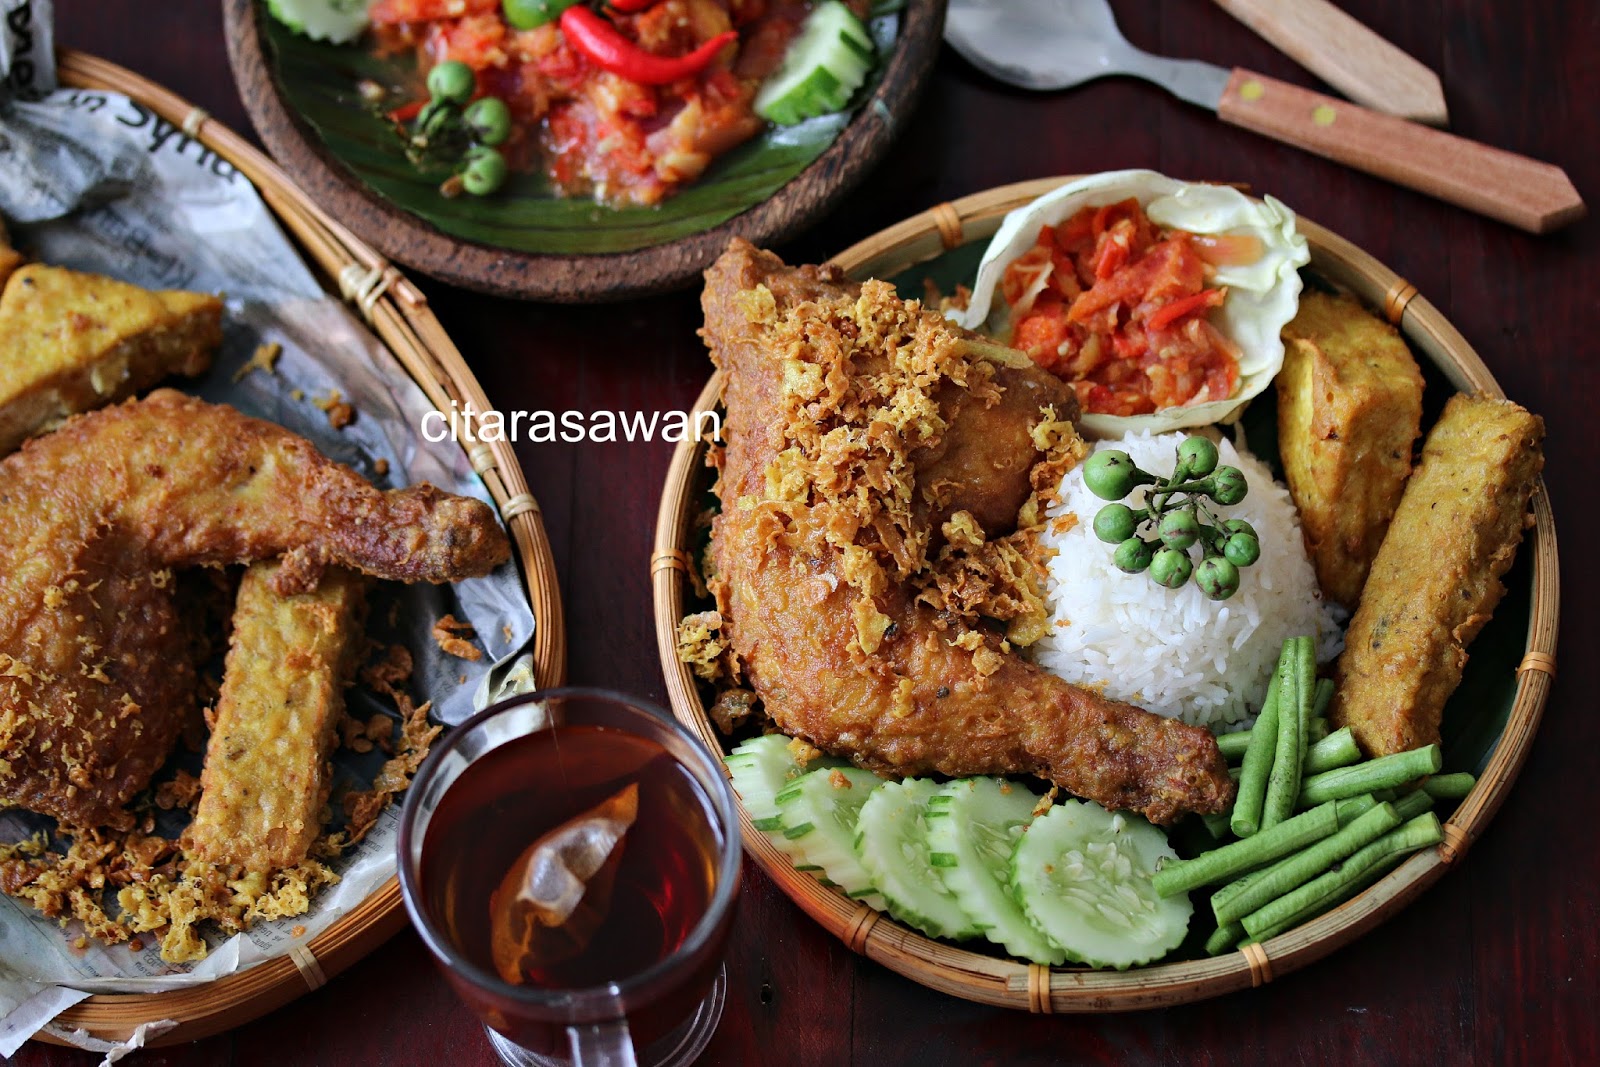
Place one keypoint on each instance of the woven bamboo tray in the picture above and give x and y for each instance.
(1032, 987)
(398, 313)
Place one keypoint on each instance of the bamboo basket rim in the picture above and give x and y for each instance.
(398, 313)
(1032, 987)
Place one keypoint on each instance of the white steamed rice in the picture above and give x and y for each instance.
(1174, 651)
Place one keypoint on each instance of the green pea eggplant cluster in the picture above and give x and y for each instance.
(1177, 512)
(453, 126)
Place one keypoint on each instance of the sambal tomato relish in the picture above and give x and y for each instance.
(1117, 307)
(592, 132)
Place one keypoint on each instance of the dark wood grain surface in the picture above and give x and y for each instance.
(1500, 962)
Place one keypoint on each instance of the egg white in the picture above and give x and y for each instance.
(1262, 296)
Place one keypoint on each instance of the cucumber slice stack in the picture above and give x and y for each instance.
(969, 857)
(974, 825)
(818, 812)
(1083, 876)
(760, 769)
(825, 64)
(892, 844)
(336, 21)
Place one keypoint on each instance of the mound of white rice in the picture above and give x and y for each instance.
(1174, 651)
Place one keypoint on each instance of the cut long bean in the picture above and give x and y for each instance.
(1317, 730)
(1252, 792)
(1338, 749)
(1232, 860)
(1295, 690)
(1233, 745)
(1307, 864)
(1217, 825)
(1413, 804)
(1367, 879)
(1420, 832)
(1449, 786)
(1385, 772)
(1348, 811)
(1324, 697)
(1224, 938)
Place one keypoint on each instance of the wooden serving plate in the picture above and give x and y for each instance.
(576, 277)
(1497, 709)
(398, 313)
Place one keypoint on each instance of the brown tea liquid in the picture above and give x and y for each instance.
(517, 793)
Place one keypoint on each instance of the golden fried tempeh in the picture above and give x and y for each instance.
(75, 342)
(266, 775)
(1349, 411)
(1437, 577)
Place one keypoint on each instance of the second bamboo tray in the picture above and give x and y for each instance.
(399, 314)
(991, 979)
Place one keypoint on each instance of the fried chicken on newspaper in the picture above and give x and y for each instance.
(877, 460)
(93, 681)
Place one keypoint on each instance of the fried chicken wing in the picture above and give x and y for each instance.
(876, 461)
(92, 685)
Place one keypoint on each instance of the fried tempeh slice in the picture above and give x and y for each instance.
(1436, 580)
(266, 774)
(1349, 411)
(75, 342)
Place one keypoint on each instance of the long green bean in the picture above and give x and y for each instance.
(1449, 786)
(1385, 772)
(1348, 811)
(1232, 860)
(1413, 804)
(1420, 832)
(1307, 864)
(1324, 697)
(1233, 746)
(1368, 878)
(1217, 825)
(1294, 704)
(1338, 749)
(1223, 938)
(1252, 792)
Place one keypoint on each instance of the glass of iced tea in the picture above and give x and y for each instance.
(571, 859)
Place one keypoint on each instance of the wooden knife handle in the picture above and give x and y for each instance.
(1347, 55)
(1526, 193)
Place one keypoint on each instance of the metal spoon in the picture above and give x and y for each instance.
(1057, 44)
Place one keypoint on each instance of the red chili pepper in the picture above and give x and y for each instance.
(406, 112)
(628, 7)
(1167, 314)
(605, 47)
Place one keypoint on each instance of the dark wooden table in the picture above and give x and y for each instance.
(1499, 962)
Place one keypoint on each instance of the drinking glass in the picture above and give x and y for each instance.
(662, 1016)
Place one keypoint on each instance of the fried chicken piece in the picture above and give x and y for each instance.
(1436, 580)
(76, 342)
(267, 774)
(842, 652)
(1349, 410)
(164, 482)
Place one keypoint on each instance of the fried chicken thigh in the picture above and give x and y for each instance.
(94, 683)
(884, 665)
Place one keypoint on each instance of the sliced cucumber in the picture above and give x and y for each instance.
(1083, 876)
(825, 64)
(973, 828)
(336, 21)
(892, 844)
(760, 768)
(818, 812)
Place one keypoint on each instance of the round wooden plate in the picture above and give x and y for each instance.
(1500, 702)
(398, 313)
(574, 278)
